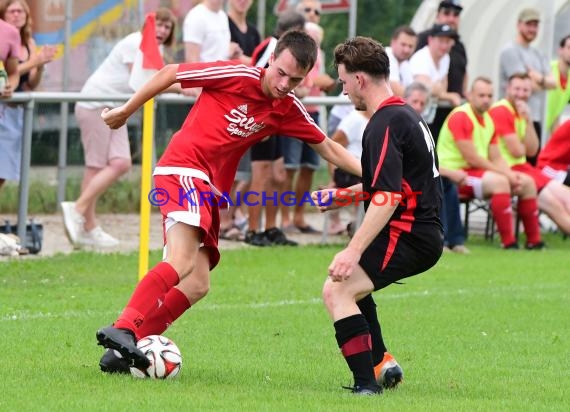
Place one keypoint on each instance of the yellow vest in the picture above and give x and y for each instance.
(520, 128)
(449, 155)
(556, 99)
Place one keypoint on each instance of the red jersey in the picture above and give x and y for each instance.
(461, 126)
(504, 119)
(556, 153)
(231, 114)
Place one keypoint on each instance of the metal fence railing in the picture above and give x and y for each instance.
(30, 100)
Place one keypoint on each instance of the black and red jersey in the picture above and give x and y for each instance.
(398, 155)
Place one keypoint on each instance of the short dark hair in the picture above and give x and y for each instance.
(521, 75)
(403, 29)
(363, 54)
(564, 39)
(289, 20)
(301, 45)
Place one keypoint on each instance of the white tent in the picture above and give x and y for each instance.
(487, 26)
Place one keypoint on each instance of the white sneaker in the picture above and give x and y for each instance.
(72, 221)
(97, 237)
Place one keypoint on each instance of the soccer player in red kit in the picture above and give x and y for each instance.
(518, 141)
(238, 107)
(396, 239)
(554, 158)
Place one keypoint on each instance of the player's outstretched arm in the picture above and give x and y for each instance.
(339, 156)
(118, 116)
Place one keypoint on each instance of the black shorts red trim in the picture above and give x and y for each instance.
(396, 254)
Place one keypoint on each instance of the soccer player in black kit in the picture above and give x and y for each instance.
(400, 235)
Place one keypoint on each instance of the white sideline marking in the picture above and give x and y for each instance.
(379, 297)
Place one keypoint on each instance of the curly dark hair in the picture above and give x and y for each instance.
(363, 54)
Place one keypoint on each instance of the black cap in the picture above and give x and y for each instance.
(450, 4)
(442, 30)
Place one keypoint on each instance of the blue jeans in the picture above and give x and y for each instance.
(454, 234)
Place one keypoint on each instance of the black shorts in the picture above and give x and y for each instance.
(267, 150)
(412, 254)
(344, 179)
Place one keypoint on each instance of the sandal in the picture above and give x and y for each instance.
(233, 233)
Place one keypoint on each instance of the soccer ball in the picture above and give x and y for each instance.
(165, 358)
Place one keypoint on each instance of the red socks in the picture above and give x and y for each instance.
(503, 215)
(148, 295)
(174, 305)
(528, 211)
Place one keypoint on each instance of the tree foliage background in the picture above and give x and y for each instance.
(375, 18)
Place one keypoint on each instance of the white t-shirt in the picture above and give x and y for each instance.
(399, 72)
(422, 63)
(112, 76)
(210, 30)
(353, 126)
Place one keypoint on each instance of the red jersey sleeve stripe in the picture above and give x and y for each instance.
(382, 156)
(217, 72)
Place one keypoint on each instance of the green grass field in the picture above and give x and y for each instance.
(485, 332)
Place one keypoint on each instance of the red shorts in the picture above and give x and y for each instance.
(540, 180)
(189, 200)
(473, 188)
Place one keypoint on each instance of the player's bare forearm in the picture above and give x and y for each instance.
(377, 216)
(165, 77)
(339, 156)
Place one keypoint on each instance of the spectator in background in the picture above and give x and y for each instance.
(267, 169)
(518, 139)
(430, 66)
(311, 10)
(30, 67)
(244, 34)
(402, 46)
(206, 34)
(557, 99)
(554, 158)
(107, 152)
(468, 142)
(300, 159)
(520, 57)
(31, 60)
(233, 220)
(417, 95)
(10, 142)
(448, 12)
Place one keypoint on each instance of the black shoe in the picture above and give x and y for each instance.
(277, 237)
(535, 246)
(365, 390)
(111, 363)
(511, 246)
(256, 238)
(123, 341)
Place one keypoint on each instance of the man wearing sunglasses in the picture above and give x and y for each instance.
(311, 9)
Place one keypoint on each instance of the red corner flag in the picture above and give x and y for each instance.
(149, 46)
